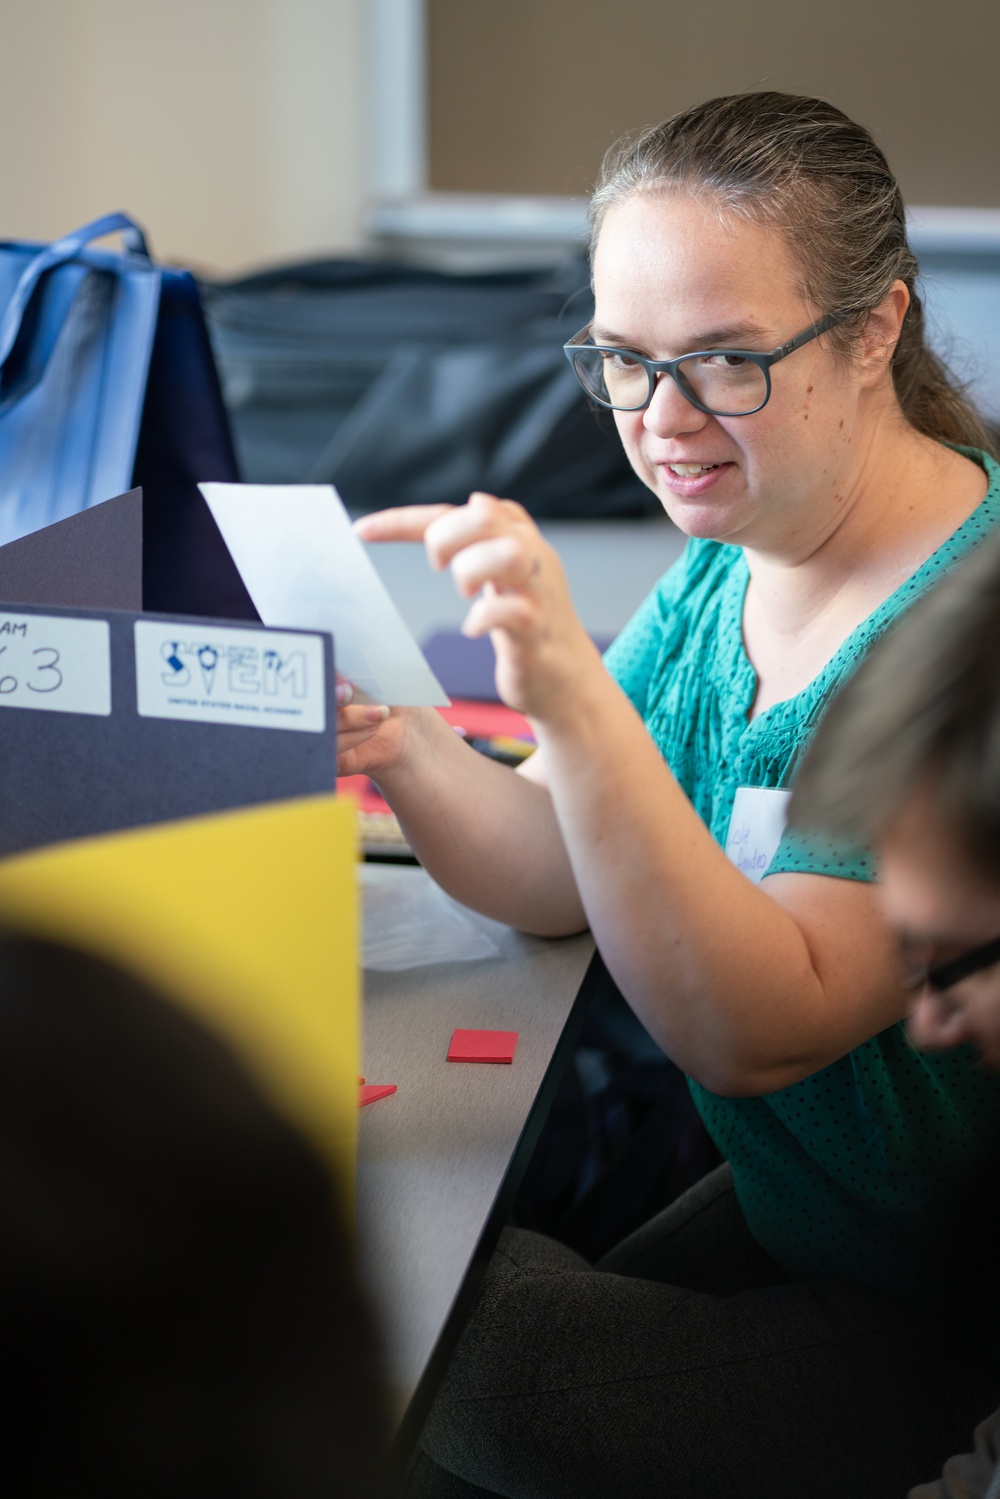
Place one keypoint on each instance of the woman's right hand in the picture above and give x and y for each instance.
(495, 550)
(370, 736)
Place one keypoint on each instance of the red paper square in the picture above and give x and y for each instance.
(482, 1046)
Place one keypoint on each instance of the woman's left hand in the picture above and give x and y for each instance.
(494, 549)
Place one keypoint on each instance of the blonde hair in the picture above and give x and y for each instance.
(802, 167)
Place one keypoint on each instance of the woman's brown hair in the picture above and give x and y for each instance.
(801, 166)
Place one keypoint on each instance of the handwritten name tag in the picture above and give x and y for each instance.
(263, 679)
(755, 828)
(55, 663)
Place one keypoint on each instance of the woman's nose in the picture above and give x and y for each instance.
(670, 413)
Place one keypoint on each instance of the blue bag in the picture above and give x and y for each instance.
(107, 381)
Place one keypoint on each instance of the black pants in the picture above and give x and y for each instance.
(686, 1364)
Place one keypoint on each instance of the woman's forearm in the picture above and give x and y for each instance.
(486, 834)
(745, 991)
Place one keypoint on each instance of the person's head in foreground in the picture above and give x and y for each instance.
(908, 758)
(179, 1313)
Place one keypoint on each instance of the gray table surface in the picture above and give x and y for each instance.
(433, 1156)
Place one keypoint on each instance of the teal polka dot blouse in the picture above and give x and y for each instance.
(856, 1171)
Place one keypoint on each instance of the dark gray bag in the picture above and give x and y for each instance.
(405, 386)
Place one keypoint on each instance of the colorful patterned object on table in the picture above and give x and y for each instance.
(491, 728)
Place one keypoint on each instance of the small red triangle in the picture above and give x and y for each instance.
(374, 1091)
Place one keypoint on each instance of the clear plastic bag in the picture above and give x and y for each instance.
(409, 922)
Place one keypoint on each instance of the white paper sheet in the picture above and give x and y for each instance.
(303, 565)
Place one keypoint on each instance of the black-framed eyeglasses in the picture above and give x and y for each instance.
(946, 975)
(720, 382)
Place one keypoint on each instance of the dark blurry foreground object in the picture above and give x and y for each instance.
(178, 1310)
(923, 708)
(405, 386)
(107, 380)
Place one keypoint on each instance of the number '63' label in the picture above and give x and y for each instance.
(55, 663)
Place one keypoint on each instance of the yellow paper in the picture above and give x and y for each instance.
(248, 919)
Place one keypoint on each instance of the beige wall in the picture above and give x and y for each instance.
(526, 94)
(231, 128)
(235, 129)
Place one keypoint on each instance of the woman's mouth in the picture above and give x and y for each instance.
(689, 480)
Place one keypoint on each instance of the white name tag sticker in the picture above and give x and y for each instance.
(755, 828)
(55, 663)
(262, 679)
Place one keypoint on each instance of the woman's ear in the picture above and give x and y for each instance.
(881, 332)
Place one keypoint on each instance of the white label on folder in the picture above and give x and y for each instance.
(262, 679)
(55, 662)
(755, 828)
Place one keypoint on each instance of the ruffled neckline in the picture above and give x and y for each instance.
(735, 675)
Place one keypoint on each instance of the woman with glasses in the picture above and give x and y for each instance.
(785, 1327)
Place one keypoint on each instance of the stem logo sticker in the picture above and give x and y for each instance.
(264, 679)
